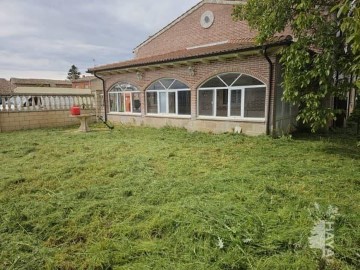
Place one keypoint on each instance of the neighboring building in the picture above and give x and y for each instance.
(17, 82)
(5, 86)
(203, 72)
(87, 82)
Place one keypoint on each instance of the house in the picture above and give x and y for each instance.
(18, 82)
(5, 87)
(202, 72)
(87, 82)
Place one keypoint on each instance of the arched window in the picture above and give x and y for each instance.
(168, 97)
(124, 98)
(232, 95)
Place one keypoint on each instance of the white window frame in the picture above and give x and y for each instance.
(117, 94)
(167, 91)
(230, 89)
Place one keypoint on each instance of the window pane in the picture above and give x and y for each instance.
(229, 78)
(136, 102)
(235, 106)
(184, 102)
(255, 102)
(121, 107)
(156, 86)
(151, 103)
(127, 102)
(116, 88)
(172, 101)
(128, 87)
(222, 102)
(247, 80)
(206, 102)
(179, 85)
(214, 82)
(167, 82)
(162, 100)
(112, 101)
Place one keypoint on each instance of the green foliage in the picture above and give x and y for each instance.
(348, 14)
(142, 198)
(73, 73)
(317, 65)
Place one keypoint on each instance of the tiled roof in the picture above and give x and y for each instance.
(84, 79)
(236, 45)
(5, 86)
(38, 81)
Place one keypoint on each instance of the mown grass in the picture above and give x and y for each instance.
(143, 198)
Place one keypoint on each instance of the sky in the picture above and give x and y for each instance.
(43, 38)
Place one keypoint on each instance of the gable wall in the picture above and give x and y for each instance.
(188, 32)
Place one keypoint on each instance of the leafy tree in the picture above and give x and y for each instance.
(73, 73)
(348, 14)
(324, 54)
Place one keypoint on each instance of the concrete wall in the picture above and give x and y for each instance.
(213, 126)
(12, 121)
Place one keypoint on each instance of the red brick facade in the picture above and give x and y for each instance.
(188, 32)
(183, 34)
(81, 85)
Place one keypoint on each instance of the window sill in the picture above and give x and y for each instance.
(124, 114)
(229, 119)
(169, 116)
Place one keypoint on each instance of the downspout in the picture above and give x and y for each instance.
(349, 99)
(271, 71)
(104, 95)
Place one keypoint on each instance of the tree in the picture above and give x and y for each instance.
(348, 14)
(73, 73)
(324, 54)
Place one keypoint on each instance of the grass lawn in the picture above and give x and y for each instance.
(143, 198)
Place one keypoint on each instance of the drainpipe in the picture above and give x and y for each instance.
(104, 93)
(271, 71)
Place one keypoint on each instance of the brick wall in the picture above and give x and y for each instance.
(255, 65)
(189, 33)
(81, 85)
(12, 121)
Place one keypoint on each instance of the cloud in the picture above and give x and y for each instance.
(49, 36)
(30, 74)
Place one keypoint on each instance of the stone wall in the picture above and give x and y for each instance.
(30, 111)
(12, 121)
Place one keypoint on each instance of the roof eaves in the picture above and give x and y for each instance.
(218, 53)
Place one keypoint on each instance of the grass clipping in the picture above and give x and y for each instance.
(142, 198)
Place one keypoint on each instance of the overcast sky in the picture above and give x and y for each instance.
(43, 38)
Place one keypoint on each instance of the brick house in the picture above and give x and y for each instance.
(203, 72)
(6, 87)
(19, 82)
(87, 82)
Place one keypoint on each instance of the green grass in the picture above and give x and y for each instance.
(143, 198)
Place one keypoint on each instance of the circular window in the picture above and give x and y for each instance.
(207, 19)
